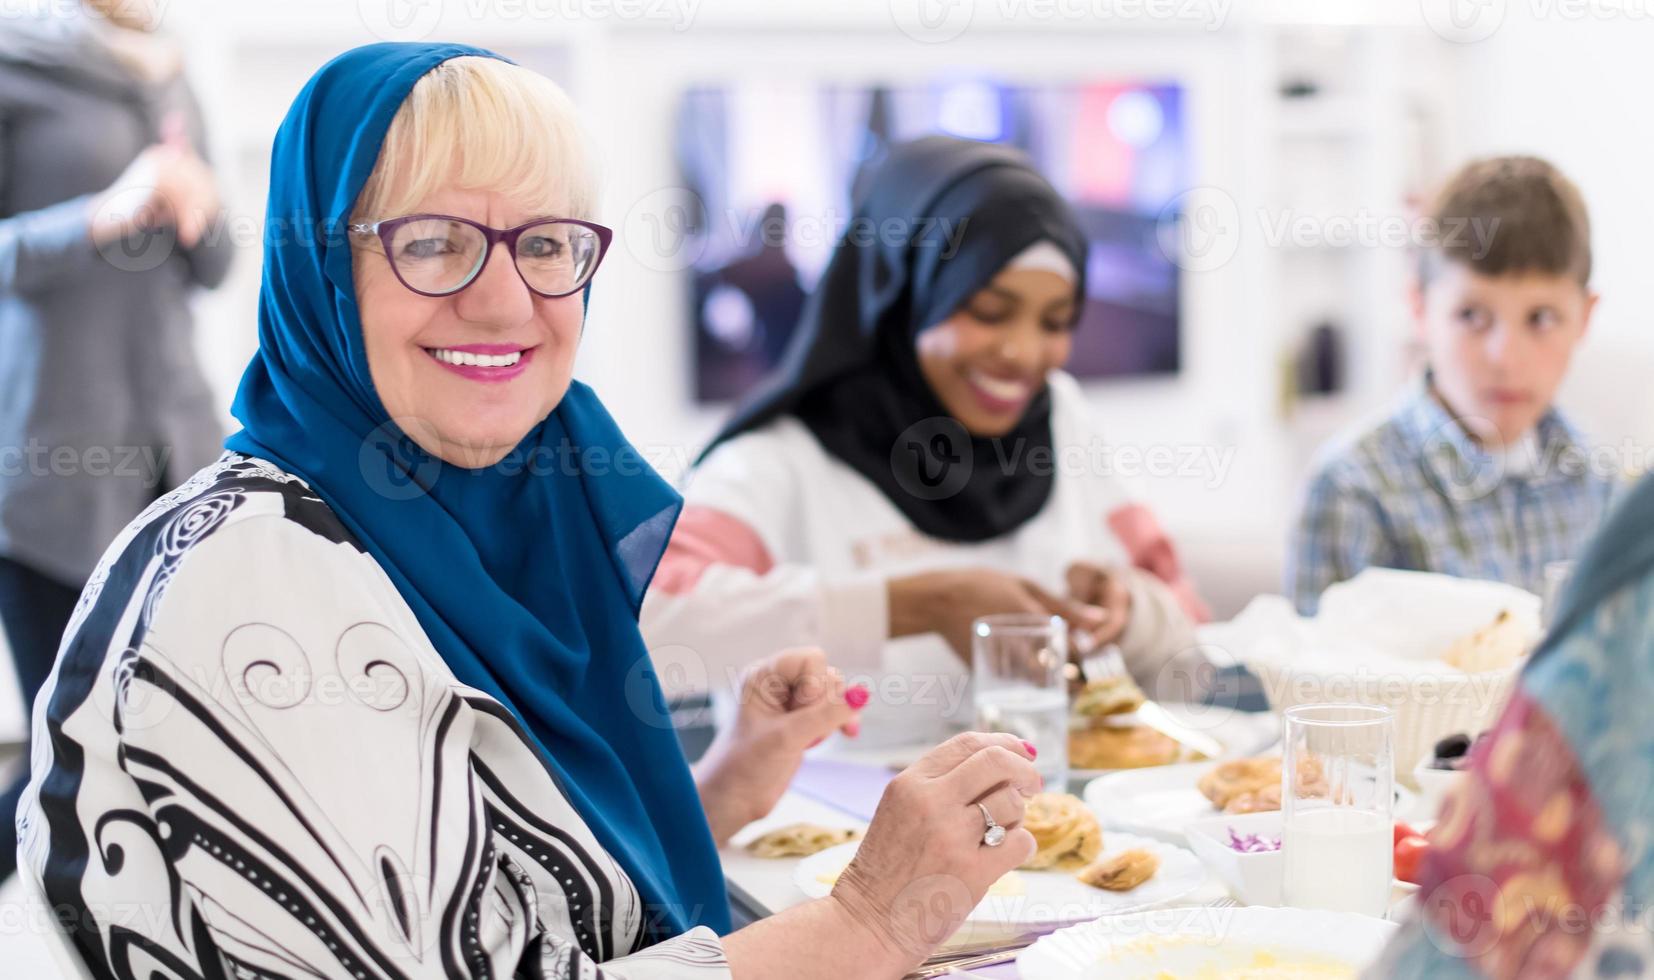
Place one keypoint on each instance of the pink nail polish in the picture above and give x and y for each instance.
(1033, 753)
(856, 697)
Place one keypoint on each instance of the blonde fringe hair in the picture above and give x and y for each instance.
(482, 124)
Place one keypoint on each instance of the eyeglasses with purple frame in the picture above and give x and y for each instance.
(386, 230)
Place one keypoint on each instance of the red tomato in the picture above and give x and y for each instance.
(1403, 831)
(1410, 853)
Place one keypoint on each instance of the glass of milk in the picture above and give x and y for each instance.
(1338, 808)
(1017, 671)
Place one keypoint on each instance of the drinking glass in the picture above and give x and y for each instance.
(1338, 808)
(1017, 665)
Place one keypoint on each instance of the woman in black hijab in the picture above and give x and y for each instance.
(920, 459)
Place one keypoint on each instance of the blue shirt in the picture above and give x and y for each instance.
(1417, 493)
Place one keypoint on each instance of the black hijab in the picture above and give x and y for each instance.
(933, 224)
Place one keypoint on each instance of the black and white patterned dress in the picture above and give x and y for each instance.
(250, 762)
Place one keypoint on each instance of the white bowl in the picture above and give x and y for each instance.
(1253, 878)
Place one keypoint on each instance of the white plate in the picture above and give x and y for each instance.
(1163, 801)
(1200, 941)
(1241, 733)
(1049, 897)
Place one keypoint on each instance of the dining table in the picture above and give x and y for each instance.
(840, 786)
(835, 791)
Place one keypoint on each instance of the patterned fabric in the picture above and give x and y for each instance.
(251, 762)
(1542, 864)
(1418, 493)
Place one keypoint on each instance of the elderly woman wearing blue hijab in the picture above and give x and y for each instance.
(367, 697)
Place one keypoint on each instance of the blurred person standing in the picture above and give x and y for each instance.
(108, 221)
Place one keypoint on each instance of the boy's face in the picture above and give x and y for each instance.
(1499, 347)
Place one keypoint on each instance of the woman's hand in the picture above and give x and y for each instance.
(1105, 589)
(789, 702)
(947, 602)
(166, 184)
(923, 865)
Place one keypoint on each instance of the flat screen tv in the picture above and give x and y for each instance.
(770, 167)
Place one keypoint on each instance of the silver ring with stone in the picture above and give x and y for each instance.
(993, 834)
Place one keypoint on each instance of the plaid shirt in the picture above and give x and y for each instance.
(1418, 493)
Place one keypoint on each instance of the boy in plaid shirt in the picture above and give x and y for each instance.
(1476, 474)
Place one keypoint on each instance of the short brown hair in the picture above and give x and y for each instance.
(1509, 216)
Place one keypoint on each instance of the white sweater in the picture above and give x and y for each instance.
(782, 545)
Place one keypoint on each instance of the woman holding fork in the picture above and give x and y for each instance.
(922, 460)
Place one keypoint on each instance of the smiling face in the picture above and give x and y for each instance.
(989, 359)
(467, 376)
(1499, 347)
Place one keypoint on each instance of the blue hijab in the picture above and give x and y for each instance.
(527, 580)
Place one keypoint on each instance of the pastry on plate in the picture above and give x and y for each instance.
(1254, 785)
(1122, 872)
(1065, 830)
(1106, 697)
(799, 840)
(1121, 747)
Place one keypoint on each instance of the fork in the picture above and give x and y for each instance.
(1108, 661)
(986, 959)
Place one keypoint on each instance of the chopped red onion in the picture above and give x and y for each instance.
(1253, 843)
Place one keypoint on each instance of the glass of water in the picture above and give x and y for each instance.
(1017, 663)
(1338, 808)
